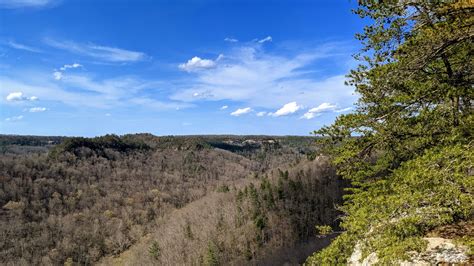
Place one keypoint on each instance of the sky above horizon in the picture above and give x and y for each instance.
(88, 68)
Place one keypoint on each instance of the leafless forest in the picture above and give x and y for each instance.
(142, 199)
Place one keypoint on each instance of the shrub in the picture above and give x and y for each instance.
(154, 251)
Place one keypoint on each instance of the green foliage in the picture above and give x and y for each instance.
(223, 189)
(337, 253)
(311, 156)
(393, 213)
(69, 262)
(211, 258)
(188, 231)
(290, 199)
(408, 147)
(467, 241)
(284, 174)
(259, 222)
(154, 251)
(322, 230)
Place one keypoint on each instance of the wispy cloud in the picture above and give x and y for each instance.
(26, 3)
(347, 109)
(74, 65)
(14, 118)
(250, 75)
(230, 39)
(323, 108)
(241, 111)
(19, 46)
(266, 39)
(58, 74)
(197, 63)
(106, 53)
(309, 115)
(287, 109)
(84, 91)
(316, 111)
(37, 109)
(157, 104)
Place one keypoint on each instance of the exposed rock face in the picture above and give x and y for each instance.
(439, 250)
(356, 257)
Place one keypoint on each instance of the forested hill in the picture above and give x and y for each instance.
(216, 199)
(14, 143)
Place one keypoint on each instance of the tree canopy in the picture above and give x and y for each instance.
(415, 82)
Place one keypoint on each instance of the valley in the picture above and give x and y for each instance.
(172, 200)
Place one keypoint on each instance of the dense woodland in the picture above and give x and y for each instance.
(214, 199)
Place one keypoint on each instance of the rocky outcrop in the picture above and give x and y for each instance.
(438, 251)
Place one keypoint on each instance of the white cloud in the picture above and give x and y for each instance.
(18, 96)
(266, 39)
(106, 53)
(219, 58)
(323, 108)
(241, 111)
(224, 107)
(25, 3)
(344, 110)
(24, 47)
(86, 92)
(57, 75)
(14, 118)
(249, 76)
(197, 63)
(15, 96)
(156, 104)
(287, 109)
(261, 113)
(75, 65)
(259, 79)
(229, 39)
(309, 115)
(37, 109)
(202, 95)
(316, 111)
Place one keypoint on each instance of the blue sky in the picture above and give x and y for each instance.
(88, 68)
